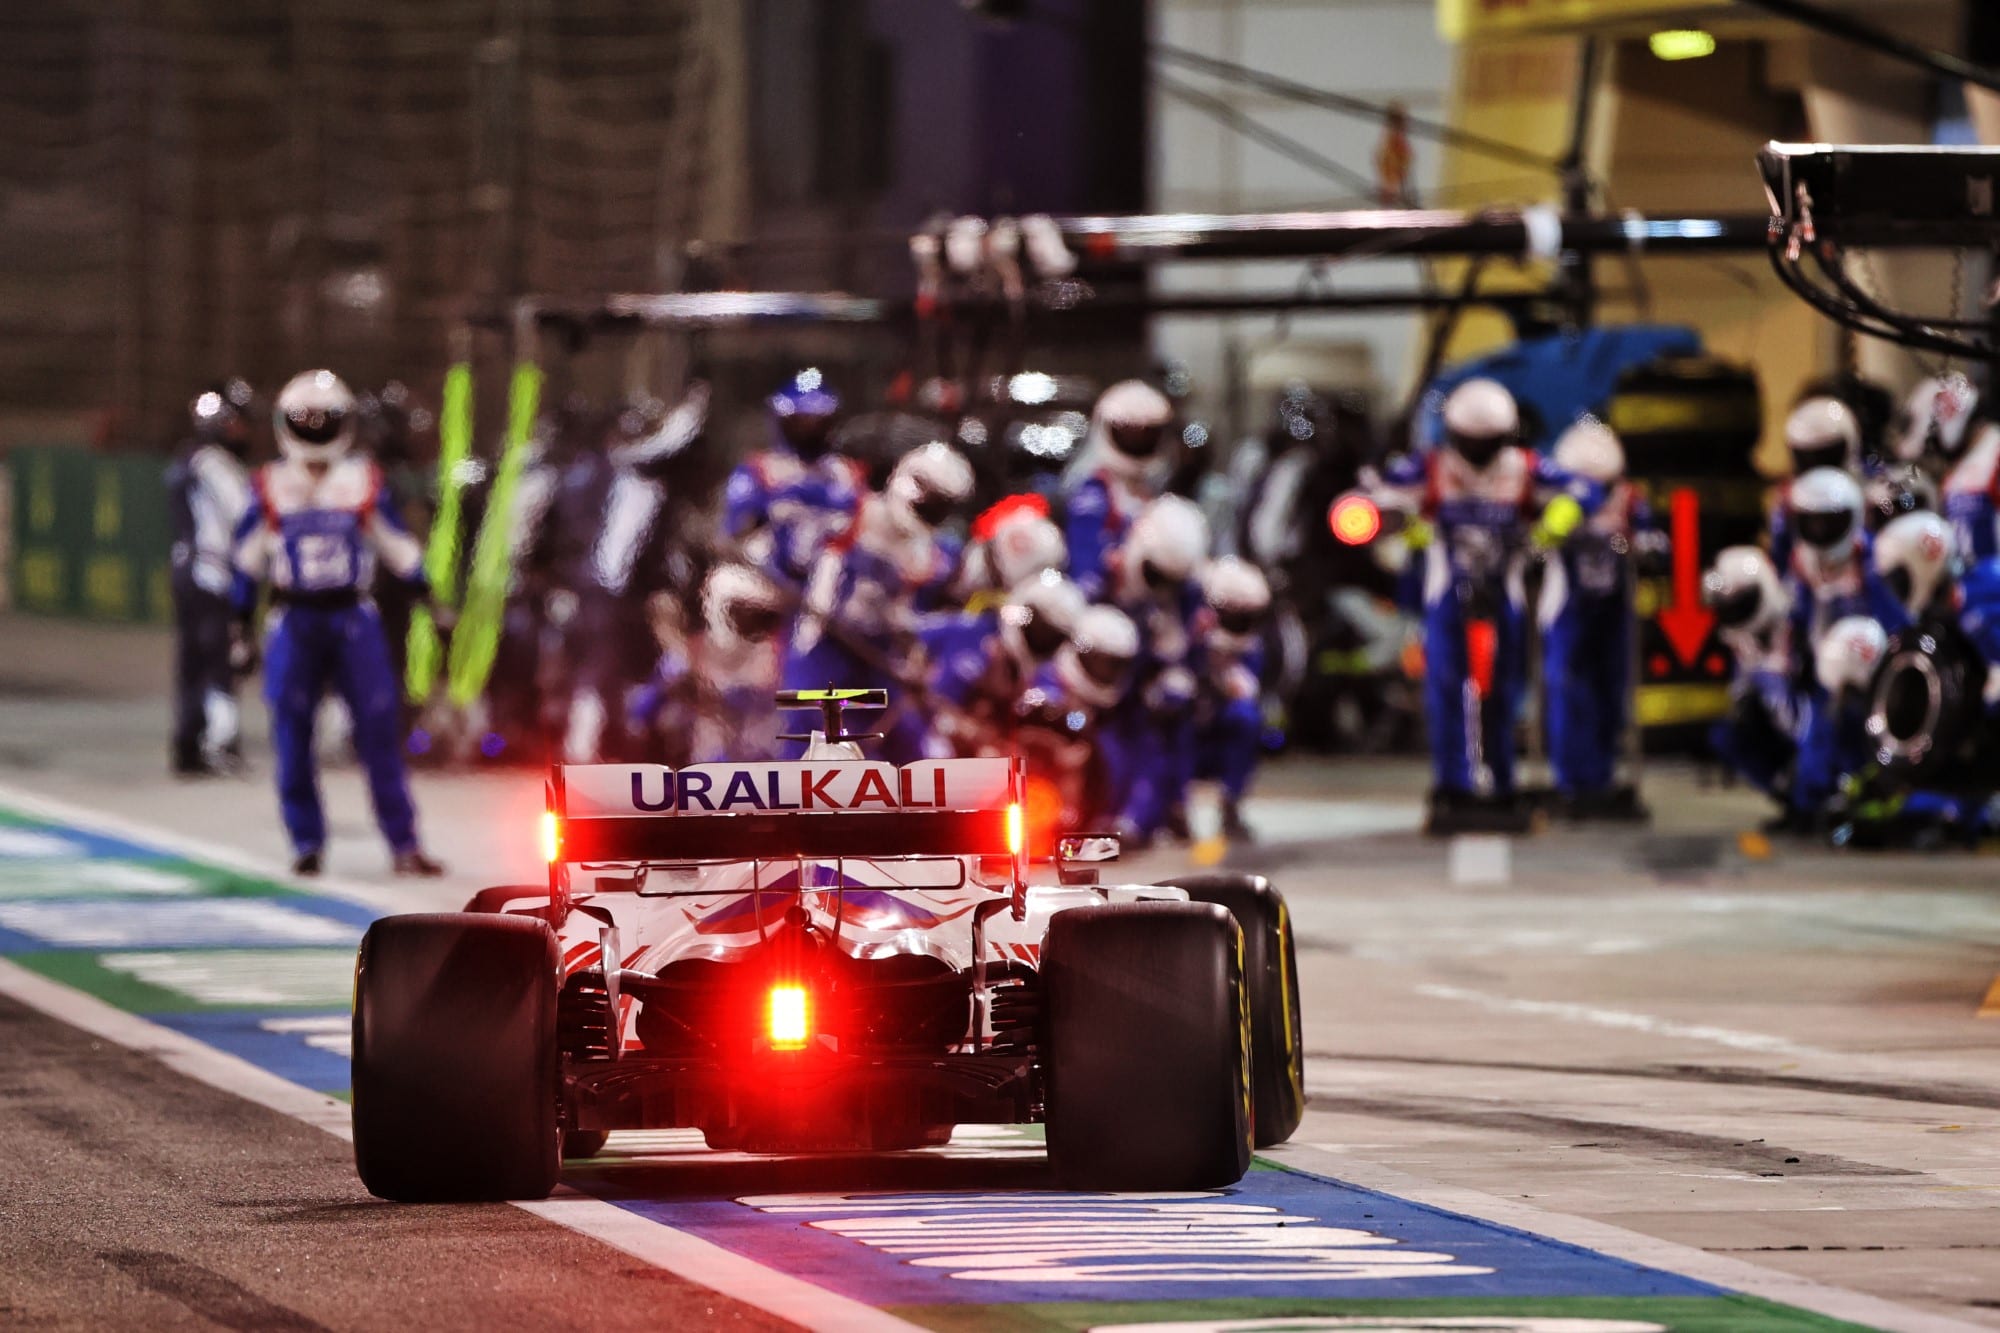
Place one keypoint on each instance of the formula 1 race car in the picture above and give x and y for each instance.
(826, 955)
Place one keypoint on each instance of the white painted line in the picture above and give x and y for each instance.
(154, 923)
(1483, 860)
(245, 978)
(199, 849)
(1650, 1251)
(712, 1266)
(1760, 1042)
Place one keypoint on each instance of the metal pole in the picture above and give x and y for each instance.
(1328, 100)
(1578, 273)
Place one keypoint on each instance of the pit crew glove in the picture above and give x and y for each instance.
(1560, 518)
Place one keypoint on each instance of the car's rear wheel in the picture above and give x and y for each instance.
(580, 1143)
(455, 1079)
(1271, 972)
(1146, 1047)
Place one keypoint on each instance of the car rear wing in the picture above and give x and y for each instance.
(765, 811)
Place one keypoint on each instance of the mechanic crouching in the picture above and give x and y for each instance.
(315, 528)
(1122, 466)
(1150, 742)
(1758, 739)
(712, 696)
(978, 661)
(1832, 582)
(868, 585)
(1228, 711)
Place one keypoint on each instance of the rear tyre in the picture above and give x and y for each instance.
(1147, 1047)
(581, 1143)
(455, 1081)
(1271, 974)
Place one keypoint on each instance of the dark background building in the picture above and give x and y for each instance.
(190, 188)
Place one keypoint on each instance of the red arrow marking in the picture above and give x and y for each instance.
(1687, 622)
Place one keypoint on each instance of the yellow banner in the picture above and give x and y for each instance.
(1459, 20)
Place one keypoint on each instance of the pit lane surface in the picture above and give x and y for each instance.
(1767, 1060)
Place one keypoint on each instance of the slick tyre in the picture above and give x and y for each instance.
(1146, 1047)
(1271, 974)
(455, 1080)
(581, 1143)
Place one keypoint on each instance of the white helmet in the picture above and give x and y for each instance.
(1167, 543)
(1848, 654)
(1825, 516)
(314, 417)
(1240, 596)
(1590, 449)
(1935, 418)
(1745, 592)
(1914, 555)
(740, 606)
(1130, 419)
(928, 486)
(1040, 615)
(1823, 432)
(1480, 419)
(1022, 546)
(1096, 664)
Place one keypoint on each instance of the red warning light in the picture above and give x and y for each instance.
(1355, 520)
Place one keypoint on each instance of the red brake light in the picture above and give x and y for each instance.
(551, 837)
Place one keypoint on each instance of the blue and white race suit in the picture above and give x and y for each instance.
(315, 539)
(1475, 649)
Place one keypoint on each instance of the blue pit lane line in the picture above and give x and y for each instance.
(1281, 1234)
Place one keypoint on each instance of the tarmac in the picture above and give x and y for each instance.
(1677, 1034)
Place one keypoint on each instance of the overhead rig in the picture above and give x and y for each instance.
(1830, 203)
(1825, 202)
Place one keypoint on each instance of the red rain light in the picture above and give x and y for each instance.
(789, 1018)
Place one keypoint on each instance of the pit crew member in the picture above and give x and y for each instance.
(208, 491)
(315, 527)
(1121, 465)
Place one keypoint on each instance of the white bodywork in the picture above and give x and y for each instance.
(868, 908)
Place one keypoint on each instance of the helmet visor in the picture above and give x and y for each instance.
(1734, 610)
(1478, 450)
(1158, 579)
(1899, 582)
(1103, 667)
(315, 425)
(806, 433)
(1805, 458)
(753, 621)
(1238, 621)
(1823, 531)
(1136, 441)
(1042, 638)
(932, 508)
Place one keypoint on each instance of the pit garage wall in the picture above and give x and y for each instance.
(1382, 50)
(1680, 138)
